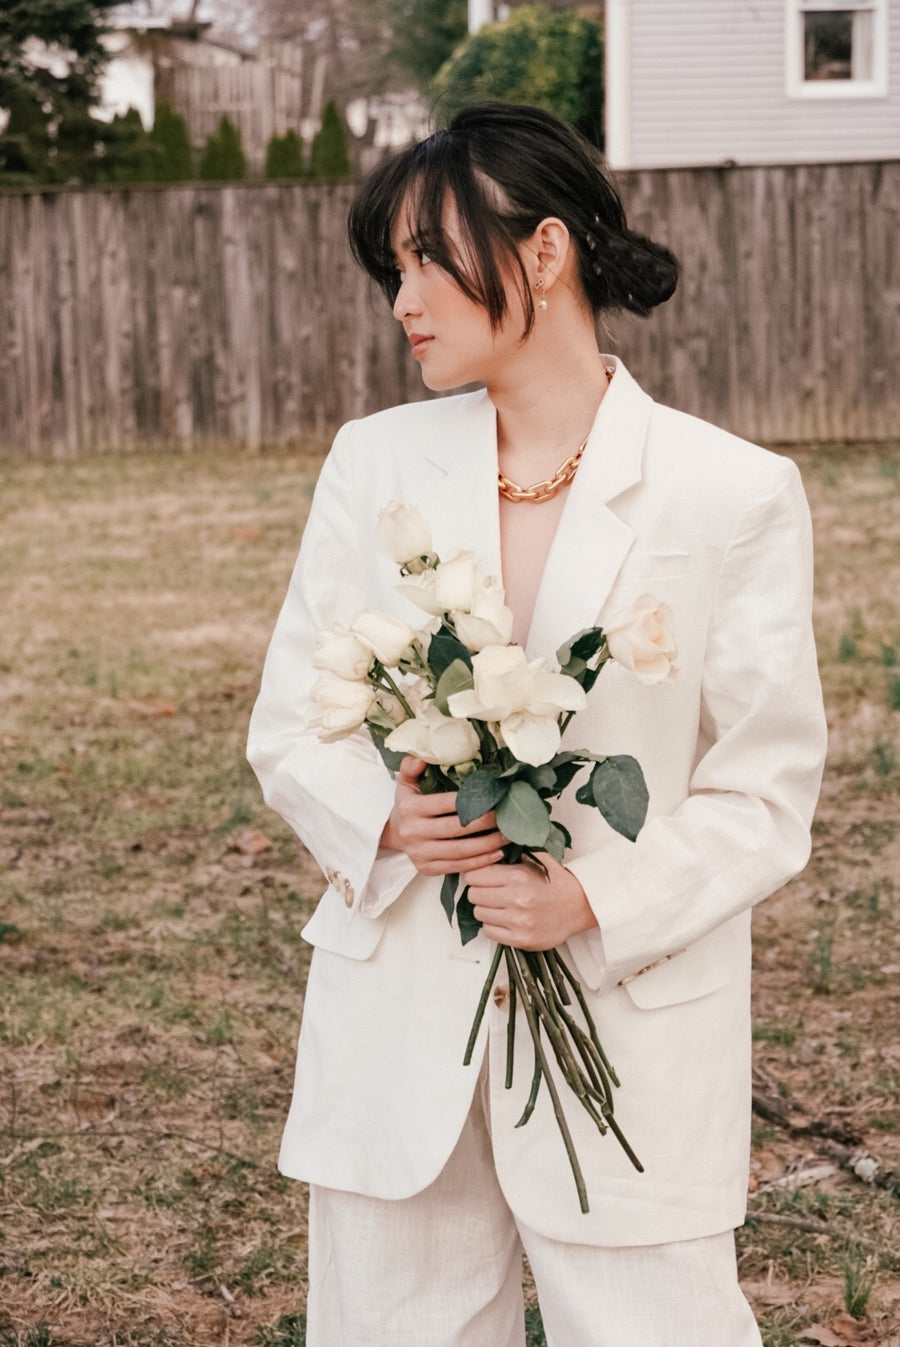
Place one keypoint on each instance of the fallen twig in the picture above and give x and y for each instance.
(813, 1227)
(841, 1142)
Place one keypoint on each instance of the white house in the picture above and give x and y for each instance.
(693, 82)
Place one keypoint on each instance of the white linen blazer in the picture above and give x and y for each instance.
(732, 750)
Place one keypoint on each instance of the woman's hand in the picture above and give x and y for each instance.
(428, 830)
(519, 905)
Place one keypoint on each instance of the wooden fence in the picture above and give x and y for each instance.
(207, 315)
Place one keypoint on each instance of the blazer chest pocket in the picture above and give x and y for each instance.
(654, 566)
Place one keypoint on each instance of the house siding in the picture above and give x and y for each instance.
(704, 82)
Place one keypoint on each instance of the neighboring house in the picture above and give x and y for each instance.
(278, 87)
(751, 81)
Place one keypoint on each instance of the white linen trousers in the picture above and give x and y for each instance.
(444, 1269)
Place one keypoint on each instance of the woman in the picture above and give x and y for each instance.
(500, 243)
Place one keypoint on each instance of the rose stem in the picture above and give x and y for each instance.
(551, 1086)
(592, 1028)
(479, 1013)
(511, 1036)
(392, 687)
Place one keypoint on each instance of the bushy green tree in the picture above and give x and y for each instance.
(223, 155)
(284, 156)
(424, 34)
(172, 158)
(330, 155)
(550, 58)
(51, 136)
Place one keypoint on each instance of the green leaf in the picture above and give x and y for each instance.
(468, 923)
(523, 817)
(619, 791)
(556, 842)
(443, 649)
(390, 759)
(448, 893)
(543, 778)
(478, 794)
(457, 677)
(583, 646)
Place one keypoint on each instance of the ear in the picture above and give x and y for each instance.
(548, 251)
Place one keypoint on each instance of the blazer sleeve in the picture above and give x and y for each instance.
(336, 796)
(743, 831)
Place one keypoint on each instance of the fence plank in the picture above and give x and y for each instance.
(208, 314)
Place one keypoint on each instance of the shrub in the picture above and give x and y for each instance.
(330, 156)
(223, 155)
(284, 156)
(173, 159)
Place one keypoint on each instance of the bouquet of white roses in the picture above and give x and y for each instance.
(460, 696)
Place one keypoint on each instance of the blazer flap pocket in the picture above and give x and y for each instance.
(670, 984)
(654, 565)
(329, 929)
(707, 966)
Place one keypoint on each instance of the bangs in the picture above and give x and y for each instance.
(415, 191)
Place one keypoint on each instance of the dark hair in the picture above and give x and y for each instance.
(507, 168)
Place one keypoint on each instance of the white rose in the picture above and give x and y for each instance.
(340, 652)
(524, 700)
(436, 738)
(343, 705)
(420, 590)
(642, 640)
(502, 684)
(456, 582)
(489, 622)
(387, 637)
(449, 587)
(401, 533)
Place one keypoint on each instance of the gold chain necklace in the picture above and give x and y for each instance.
(538, 492)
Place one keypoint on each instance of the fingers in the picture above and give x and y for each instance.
(410, 770)
(454, 858)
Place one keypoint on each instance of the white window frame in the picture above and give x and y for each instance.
(874, 87)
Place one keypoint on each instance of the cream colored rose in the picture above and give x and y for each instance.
(340, 652)
(489, 622)
(402, 534)
(642, 640)
(387, 637)
(436, 738)
(343, 706)
(450, 587)
(524, 701)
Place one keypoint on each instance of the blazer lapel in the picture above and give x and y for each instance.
(459, 492)
(591, 541)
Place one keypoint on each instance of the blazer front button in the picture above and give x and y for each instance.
(501, 996)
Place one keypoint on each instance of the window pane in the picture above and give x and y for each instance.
(828, 44)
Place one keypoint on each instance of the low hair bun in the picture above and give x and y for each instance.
(622, 269)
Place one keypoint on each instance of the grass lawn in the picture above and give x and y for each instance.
(151, 974)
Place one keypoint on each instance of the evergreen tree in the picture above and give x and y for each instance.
(330, 156)
(550, 58)
(223, 155)
(51, 136)
(284, 156)
(172, 156)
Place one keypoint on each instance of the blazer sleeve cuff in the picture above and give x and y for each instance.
(391, 872)
(589, 959)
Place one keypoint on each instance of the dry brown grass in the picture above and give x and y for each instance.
(151, 967)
